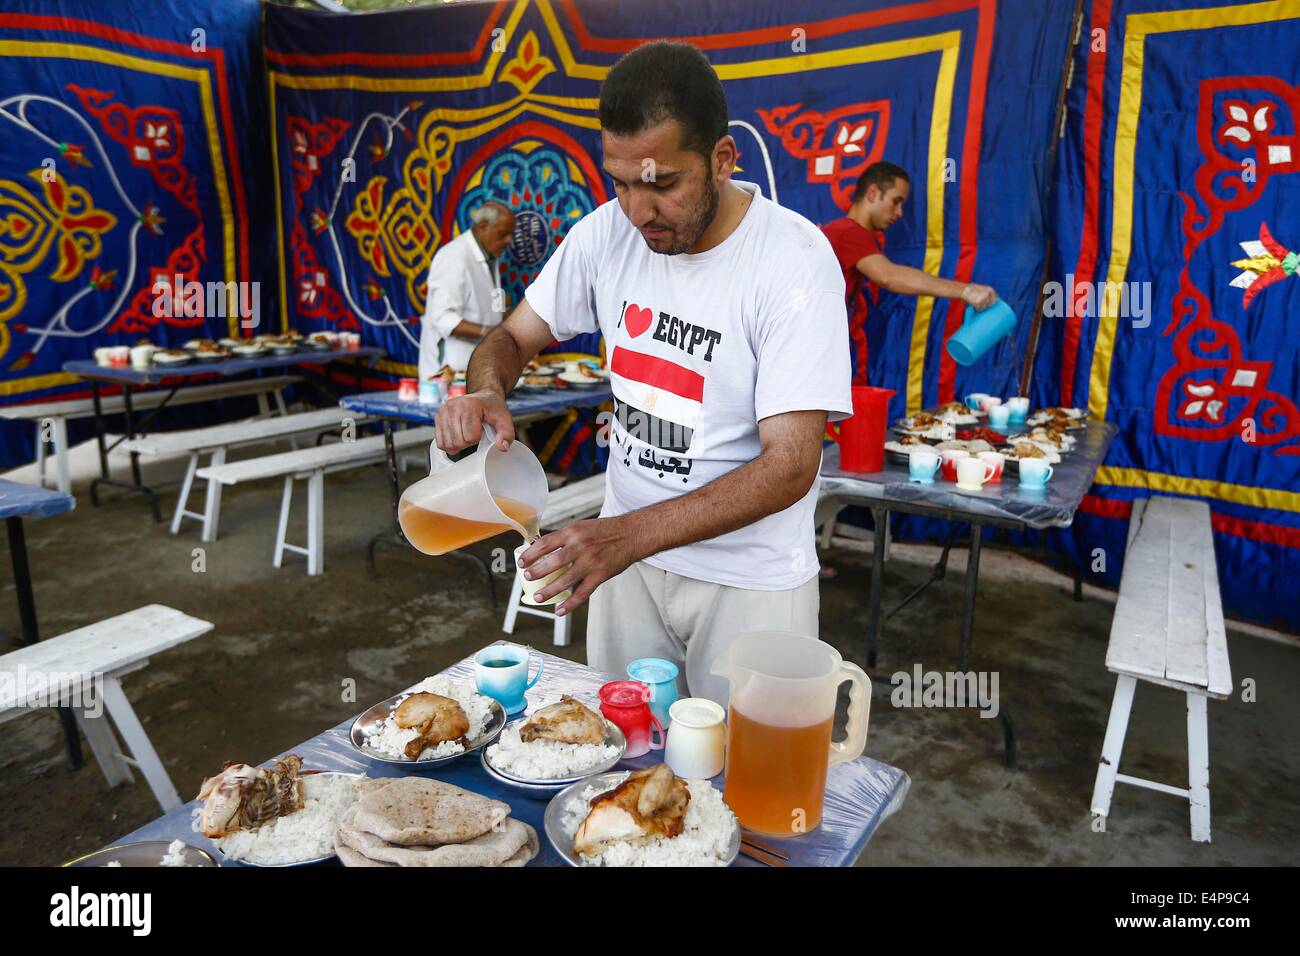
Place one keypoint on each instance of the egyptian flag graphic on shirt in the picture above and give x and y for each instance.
(656, 400)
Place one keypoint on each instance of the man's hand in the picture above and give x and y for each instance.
(459, 422)
(594, 550)
(979, 296)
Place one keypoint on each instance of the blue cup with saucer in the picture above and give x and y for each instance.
(661, 677)
(501, 672)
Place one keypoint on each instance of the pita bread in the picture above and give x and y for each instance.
(370, 785)
(416, 811)
(491, 849)
(350, 857)
(527, 851)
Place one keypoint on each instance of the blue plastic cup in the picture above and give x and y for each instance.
(1034, 474)
(501, 672)
(980, 332)
(661, 677)
(922, 466)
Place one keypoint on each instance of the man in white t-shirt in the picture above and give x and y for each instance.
(464, 300)
(724, 324)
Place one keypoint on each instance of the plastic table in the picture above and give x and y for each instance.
(128, 378)
(1000, 505)
(860, 794)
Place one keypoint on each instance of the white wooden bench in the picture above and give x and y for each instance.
(312, 464)
(572, 502)
(59, 413)
(83, 669)
(1167, 630)
(217, 440)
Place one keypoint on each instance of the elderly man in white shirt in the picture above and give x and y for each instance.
(464, 298)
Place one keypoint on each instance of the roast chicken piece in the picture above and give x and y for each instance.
(648, 804)
(243, 797)
(437, 718)
(569, 722)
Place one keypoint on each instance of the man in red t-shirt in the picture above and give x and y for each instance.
(859, 243)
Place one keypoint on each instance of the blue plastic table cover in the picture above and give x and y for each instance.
(548, 401)
(30, 501)
(1053, 507)
(860, 794)
(126, 375)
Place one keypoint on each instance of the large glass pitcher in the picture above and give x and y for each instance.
(481, 495)
(779, 722)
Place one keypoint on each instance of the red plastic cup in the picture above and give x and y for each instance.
(862, 437)
(626, 703)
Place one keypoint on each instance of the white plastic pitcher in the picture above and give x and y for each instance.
(781, 712)
(462, 496)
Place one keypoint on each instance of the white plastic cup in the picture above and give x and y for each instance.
(697, 739)
(972, 473)
(532, 587)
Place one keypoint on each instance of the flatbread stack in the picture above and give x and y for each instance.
(414, 821)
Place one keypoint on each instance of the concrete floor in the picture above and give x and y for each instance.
(271, 675)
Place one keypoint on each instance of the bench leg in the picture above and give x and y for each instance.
(316, 523)
(278, 395)
(212, 508)
(40, 454)
(1198, 767)
(184, 499)
(512, 608)
(561, 638)
(137, 741)
(61, 454)
(286, 502)
(263, 406)
(1120, 707)
(828, 529)
(99, 734)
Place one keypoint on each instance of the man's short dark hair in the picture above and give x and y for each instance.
(882, 176)
(665, 80)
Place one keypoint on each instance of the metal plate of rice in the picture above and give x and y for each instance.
(613, 738)
(312, 860)
(145, 853)
(560, 825)
(369, 722)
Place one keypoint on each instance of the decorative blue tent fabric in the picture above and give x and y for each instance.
(1176, 189)
(390, 128)
(131, 155)
(139, 149)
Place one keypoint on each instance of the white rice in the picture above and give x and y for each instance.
(704, 841)
(391, 740)
(545, 759)
(175, 855)
(298, 837)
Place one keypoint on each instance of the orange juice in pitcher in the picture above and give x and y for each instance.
(479, 496)
(436, 532)
(780, 717)
(774, 772)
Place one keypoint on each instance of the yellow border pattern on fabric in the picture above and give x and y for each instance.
(947, 44)
(75, 51)
(1137, 28)
(1271, 498)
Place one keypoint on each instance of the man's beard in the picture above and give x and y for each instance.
(701, 218)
